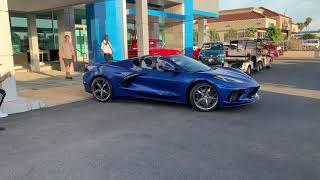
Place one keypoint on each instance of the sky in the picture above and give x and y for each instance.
(299, 10)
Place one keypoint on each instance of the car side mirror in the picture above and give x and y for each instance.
(168, 69)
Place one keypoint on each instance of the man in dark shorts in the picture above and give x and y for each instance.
(66, 54)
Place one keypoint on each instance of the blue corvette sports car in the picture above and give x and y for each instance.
(174, 78)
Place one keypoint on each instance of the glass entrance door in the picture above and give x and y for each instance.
(82, 43)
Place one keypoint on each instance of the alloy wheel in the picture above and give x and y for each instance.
(101, 89)
(205, 97)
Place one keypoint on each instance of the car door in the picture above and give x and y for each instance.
(156, 83)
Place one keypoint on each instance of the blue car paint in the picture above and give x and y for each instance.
(169, 86)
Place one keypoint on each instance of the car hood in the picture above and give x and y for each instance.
(208, 53)
(232, 73)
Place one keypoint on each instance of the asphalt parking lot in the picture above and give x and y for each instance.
(276, 138)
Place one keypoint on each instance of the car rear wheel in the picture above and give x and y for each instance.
(259, 66)
(204, 97)
(101, 89)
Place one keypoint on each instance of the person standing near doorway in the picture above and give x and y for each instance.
(66, 54)
(107, 49)
(3, 92)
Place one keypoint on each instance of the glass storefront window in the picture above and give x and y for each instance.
(19, 34)
(47, 32)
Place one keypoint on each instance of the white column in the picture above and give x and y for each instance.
(70, 26)
(6, 54)
(174, 31)
(125, 28)
(61, 31)
(202, 30)
(66, 26)
(142, 27)
(33, 43)
(154, 27)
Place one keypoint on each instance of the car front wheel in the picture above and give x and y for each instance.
(248, 71)
(204, 97)
(269, 65)
(101, 89)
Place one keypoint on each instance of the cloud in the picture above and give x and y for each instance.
(297, 9)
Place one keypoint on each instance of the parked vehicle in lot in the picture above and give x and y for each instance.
(174, 78)
(311, 43)
(273, 50)
(212, 53)
(248, 55)
(156, 47)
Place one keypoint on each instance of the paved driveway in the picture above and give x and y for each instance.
(277, 138)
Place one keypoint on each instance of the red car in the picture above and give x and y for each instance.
(273, 50)
(156, 47)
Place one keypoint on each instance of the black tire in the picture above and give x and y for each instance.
(260, 64)
(249, 70)
(204, 97)
(269, 65)
(258, 67)
(102, 89)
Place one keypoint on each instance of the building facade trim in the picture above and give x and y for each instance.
(206, 14)
(157, 13)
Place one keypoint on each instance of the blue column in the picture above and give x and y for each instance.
(188, 27)
(105, 17)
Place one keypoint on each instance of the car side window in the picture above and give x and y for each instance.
(251, 44)
(162, 63)
(241, 45)
(233, 47)
(148, 63)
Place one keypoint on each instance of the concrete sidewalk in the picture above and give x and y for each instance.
(56, 95)
(45, 89)
(51, 87)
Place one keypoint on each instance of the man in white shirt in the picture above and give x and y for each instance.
(107, 49)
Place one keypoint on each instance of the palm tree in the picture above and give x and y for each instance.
(301, 26)
(308, 22)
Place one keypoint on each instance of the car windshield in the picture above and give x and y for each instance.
(189, 64)
(212, 46)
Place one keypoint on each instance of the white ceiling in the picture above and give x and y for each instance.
(40, 5)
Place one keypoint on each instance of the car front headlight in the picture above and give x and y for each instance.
(221, 57)
(227, 79)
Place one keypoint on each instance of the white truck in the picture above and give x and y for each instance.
(247, 55)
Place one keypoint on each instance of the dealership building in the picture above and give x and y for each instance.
(32, 30)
